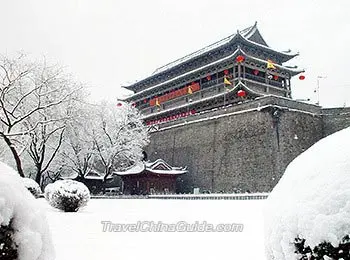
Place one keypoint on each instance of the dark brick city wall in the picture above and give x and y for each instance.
(245, 147)
(335, 119)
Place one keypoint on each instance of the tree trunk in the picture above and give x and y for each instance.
(39, 165)
(15, 155)
(38, 175)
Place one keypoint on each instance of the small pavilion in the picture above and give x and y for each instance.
(145, 178)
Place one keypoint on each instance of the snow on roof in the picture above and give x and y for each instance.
(157, 162)
(293, 71)
(268, 48)
(238, 50)
(69, 177)
(185, 74)
(88, 176)
(244, 32)
(138, 168)
(168, 172)
(157, 167)
(92, 175)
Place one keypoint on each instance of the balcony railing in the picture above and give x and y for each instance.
(209, 88)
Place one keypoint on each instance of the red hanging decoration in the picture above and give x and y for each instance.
(256, 72)
(119, 104)
(133, 104)
(240, 58)
(226, 72)
(301, 77)
(275, 77)
(208, 77)
(241, 93)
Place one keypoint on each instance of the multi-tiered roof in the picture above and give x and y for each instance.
(235, 69)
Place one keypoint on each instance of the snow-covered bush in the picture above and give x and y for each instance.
(24, 232)
(32, 186)
(67, 195)
(307, 213)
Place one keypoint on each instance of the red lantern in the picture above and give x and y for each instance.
(240, 58)
(256, 72)
(301, 77)
(275, 77)
(226, 72)
(241, 93)
(119, 104)
(208, 77)
(193, 112)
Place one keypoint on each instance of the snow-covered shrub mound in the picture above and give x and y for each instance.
(309, 209)
(32, 186)
(67, 195)
(24, 232)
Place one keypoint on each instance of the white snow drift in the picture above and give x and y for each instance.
(32, 186)
(31, 231)
(312, 200)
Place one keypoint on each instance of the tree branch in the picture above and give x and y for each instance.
(55, 152)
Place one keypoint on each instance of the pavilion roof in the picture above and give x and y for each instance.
(157, 167)
(239, 51)
(91, 175)
(249, 35)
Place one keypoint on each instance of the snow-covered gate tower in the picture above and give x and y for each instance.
(226, 112)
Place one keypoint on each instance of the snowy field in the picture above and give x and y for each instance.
(79, 235)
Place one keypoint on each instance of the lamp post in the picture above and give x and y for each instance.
(318, 89)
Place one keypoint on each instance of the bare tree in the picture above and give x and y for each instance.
(41, 143)
(119, 136)
(110, 138)
(47, 139)
(78, 149)
(29, 93)
(49, 177)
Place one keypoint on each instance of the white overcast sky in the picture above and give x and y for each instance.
(109, 43)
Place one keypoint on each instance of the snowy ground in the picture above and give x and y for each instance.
(79, 235)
